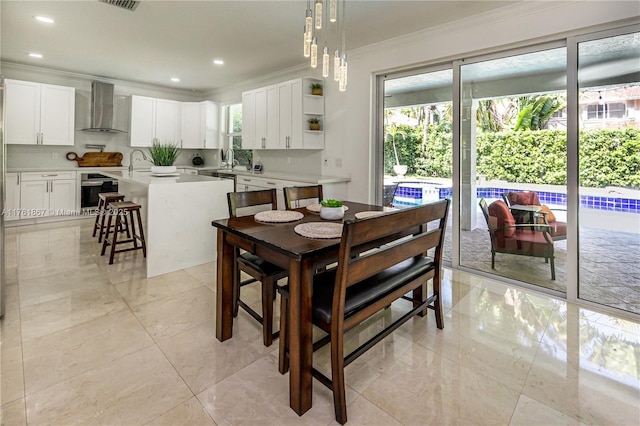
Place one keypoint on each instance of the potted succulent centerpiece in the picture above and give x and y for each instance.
(163, 155)
(314, 123)
(332, 210)
(316, 89)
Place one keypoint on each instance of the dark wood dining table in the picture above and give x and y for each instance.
(278, 243)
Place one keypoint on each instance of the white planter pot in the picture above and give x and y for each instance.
(400, 170)
(163, 169)
(332, 213)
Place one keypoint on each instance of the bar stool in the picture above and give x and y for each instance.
(104, 198)
(124, 210)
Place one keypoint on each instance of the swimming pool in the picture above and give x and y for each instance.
(412, 193)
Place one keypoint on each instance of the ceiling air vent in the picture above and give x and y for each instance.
(125, 4)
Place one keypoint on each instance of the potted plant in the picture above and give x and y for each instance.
(314, 123)
(163, 156)
(332, 209)
(316, 89)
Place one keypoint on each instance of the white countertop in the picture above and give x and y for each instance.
(312, 179)
(63, 169)
(146, 178)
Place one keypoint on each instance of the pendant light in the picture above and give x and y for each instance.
(332, 12)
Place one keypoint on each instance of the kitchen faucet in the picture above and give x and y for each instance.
(131, 158)
(231, 161)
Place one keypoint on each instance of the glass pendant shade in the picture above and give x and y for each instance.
(342, 83)
(336, 66)
(333, 10)
(325, 62)
(318, 14)
(314, 54)
(308, 25)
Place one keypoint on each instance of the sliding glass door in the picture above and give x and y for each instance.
(609, 171)
(513, 186)
(418, 141)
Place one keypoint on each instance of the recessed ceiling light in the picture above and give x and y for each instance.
(175, 79)
(44, 19)
(35, 55)
(218, 61)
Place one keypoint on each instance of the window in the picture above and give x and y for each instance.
(609, 110)
(233, 130)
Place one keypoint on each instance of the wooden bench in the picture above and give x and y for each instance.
(382, 259)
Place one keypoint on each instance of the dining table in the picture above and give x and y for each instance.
(279, 244)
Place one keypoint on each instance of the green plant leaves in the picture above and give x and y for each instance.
(163, 154)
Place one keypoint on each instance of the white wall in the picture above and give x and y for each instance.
(348, 115)
(24, 156)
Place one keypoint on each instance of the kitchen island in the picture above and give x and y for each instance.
(177, 212)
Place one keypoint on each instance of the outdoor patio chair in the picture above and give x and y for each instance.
(526, 239)
(388, 194)
(557, 229)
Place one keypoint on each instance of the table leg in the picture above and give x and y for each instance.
(224, 288)
(300, 336)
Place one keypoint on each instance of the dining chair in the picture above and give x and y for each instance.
(381, 259)
(294, 194)
(260, 270)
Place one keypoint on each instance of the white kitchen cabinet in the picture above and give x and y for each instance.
(47, 194)
(12, 196)
(200, 125)
(168, 116)
(276, 117)
(154, 120)
(290, 114)
(39, 114)
(260, 118)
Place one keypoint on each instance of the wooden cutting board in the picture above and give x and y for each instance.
(97, 159)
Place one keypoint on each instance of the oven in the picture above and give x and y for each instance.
(92, 184)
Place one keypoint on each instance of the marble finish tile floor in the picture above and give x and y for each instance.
(85, 342)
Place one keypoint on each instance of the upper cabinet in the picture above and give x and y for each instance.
(192, 125)
(200, 125)
(39, 114)
(154, 120)
(276, 117)
(260, 125)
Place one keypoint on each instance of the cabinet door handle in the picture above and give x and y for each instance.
(270, 183)
(18, 179)
(247, 180)
(47, 186)
(51, 183)
(41, 138)
(50, 175)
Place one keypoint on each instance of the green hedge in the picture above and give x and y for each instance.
(607, 157)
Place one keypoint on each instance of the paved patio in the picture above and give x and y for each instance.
(609, 264)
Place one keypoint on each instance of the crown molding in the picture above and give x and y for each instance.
(70, 74)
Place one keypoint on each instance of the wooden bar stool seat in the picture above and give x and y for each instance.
(104, 198)
(123, 212)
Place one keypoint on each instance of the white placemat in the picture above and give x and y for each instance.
(321, 230)
(278, 216)
(315, 208)
(371, 213)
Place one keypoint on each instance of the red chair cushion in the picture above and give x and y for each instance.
(526, 241)
(504, 219)
(528, 198)
(550, 216)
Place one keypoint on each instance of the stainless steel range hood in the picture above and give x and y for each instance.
(102, 108)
